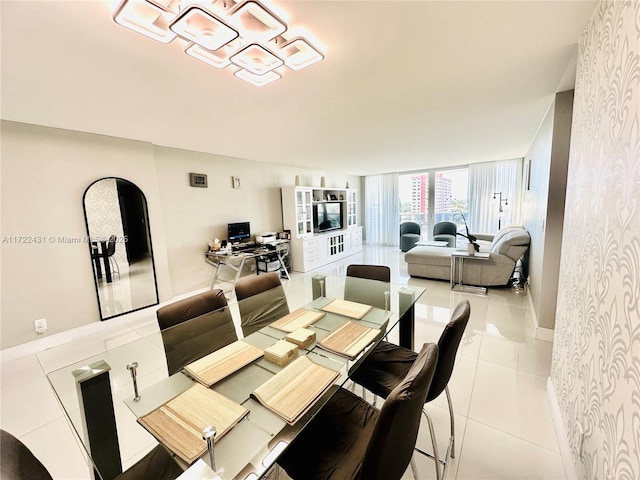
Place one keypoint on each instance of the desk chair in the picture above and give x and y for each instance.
(19, 463)
(208, 327)
(387, 365)
(350, 439)
(261, 301)
(375, 294)
(445, 231)
(410, 234)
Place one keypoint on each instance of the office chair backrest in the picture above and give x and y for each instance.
(194, 327)
(395, 433)
(367, 292)
(261, 301)
(448, 343)
(17, 462)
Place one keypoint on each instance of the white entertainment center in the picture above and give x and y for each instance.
(317, 236)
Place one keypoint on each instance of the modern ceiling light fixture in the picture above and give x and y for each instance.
(243, 35)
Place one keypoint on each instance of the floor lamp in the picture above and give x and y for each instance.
(500, 209)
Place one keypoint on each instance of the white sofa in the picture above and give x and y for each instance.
(505, 248)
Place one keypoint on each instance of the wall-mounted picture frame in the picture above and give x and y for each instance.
(235, 182)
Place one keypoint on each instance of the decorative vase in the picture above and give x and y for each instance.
(471, 249)
(322, 182)
(297, 180)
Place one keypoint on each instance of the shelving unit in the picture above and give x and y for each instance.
(310, 249)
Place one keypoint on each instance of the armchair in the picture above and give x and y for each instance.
(445, 231)
(409, 235)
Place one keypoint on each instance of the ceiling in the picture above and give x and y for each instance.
(405, 85)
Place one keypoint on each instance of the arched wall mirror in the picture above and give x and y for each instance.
(115, 211)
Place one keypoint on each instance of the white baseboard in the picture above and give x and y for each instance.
(545, 334)
(561, 433)
(56, 339)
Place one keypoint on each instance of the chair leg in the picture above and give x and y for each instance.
(452, 439)
(114, 265)
(434, 443)
(414, 468)
(450, 453)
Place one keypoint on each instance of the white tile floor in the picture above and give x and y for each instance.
(503, 423)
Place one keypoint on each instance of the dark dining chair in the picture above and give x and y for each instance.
(365, 291)
(351, 439)
(445, 231)
(194, 327)
(382, 370)
(111, 250)
(410, 234)
(261, 301)
(19, 463)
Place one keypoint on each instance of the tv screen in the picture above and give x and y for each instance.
(328, 216)
(238, 232)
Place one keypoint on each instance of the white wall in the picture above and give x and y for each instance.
(596, 354)
(44, 174)
(543, 205)
(193, 215)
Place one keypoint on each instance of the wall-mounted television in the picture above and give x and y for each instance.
(327, 216)
(238, 232)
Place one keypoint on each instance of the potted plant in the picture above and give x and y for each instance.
(472, 246)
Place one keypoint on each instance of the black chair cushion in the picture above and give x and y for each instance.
(351, 440)
(17, 461)
(335, 441)
(388, 363)
(383, 368)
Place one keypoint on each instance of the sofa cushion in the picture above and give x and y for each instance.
(440, 256)
(510, 242)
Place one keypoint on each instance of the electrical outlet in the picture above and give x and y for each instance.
(40, 325)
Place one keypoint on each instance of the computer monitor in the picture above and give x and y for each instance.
(238, 232)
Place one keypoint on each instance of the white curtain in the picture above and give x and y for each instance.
(487, 180)
(382, 209)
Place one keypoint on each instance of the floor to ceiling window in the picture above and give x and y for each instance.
(487, 194)
(433, 196)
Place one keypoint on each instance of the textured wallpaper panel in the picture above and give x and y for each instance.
(596, 357)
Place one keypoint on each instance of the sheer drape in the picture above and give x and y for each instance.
(487, 179)
(382, 221)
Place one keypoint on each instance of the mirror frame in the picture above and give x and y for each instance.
(153, 262)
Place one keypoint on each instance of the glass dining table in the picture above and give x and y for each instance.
(113, 382)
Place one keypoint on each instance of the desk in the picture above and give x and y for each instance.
(457, 270)
(228, 265)
(251, 447)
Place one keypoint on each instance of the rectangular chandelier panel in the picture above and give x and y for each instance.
(256, 22)
(256, 59)
(298, 53)
(200, 26)
(258, 80)
(146, 18)
(218, 58)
